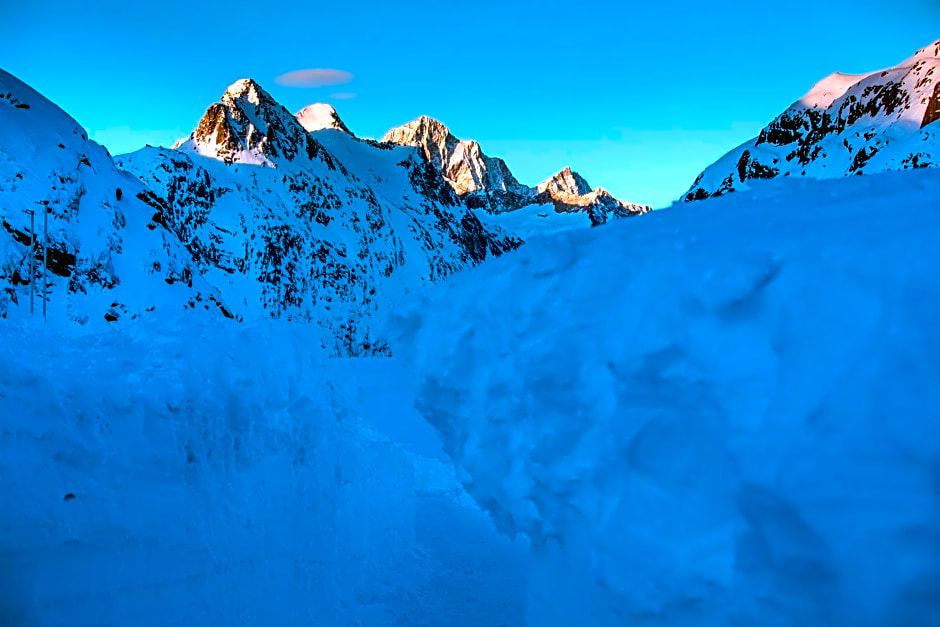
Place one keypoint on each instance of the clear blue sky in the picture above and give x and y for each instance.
(637, 97)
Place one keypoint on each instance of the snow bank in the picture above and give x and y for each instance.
(204, 476)
(723, 413)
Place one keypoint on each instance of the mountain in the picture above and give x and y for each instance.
(294, 217)
(111, 256)
(846, 124)
(486, 182)
(319, 116)
(263, 213)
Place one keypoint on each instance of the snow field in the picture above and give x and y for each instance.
(719, 413)
(200, 476)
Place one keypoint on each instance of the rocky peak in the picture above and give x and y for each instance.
(462, 163)
(246, 89)
(248, 126)
(319, 116)
(432, 137)
(566, 182)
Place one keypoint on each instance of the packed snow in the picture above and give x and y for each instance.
(187, 473)
(720, 413)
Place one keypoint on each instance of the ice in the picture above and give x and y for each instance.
(721, 413)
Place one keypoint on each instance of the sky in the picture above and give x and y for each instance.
(637, 97)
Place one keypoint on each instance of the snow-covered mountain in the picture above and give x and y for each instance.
(110, 254)
(846, 124)
(486, 183)
(319, 116)
(264, 213)
(317, 226)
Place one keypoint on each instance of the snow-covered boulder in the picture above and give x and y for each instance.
(720, 414)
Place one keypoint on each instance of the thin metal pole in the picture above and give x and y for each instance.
(45, 239)
(32, 247)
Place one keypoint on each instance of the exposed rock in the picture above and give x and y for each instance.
(486, 183)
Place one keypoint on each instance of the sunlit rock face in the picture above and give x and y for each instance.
(847, 124)
(486, 182)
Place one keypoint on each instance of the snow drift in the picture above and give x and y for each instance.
(719, 414)
(211, 481)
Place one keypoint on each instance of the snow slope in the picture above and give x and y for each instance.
(719, 414)
(183, 474)
(846, 124)
(110, 256)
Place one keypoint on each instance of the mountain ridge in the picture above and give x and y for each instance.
(486, 183)
(846, 124)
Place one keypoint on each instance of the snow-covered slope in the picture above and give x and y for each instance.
(110, 255)
(846, 124)
(720, 414)
(306, 225)
(319, 116)
(486, 183)
(192, 474)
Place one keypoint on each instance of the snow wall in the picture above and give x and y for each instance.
(721, 413)
(190, 476)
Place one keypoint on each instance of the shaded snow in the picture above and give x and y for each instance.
(717, 414)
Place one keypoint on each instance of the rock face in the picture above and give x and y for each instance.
(462, 163)
(111, 256)
(845, 125)
(317, 226)
(566, 183)
(486, 183)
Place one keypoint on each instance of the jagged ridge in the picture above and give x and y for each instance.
(486, 182)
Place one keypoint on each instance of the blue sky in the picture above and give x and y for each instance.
(639, 98)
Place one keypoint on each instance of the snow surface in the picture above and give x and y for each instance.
(319, 116)
(179, 473)
(723, 413)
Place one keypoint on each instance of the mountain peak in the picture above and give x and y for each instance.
(247, 89)
(422, 126)
(248, 125)
(929, 51)
(319, 116)
(567, 182)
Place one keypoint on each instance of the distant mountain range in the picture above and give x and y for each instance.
(846, 125)
(260, 212)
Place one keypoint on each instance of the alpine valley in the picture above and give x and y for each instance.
(259, 213)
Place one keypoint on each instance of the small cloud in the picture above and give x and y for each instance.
(313, 78)
(343, 95)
